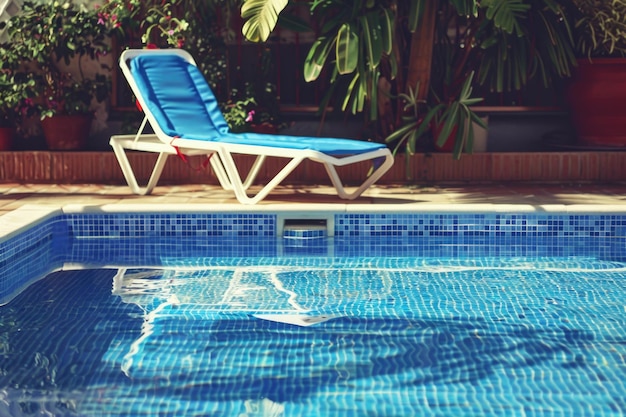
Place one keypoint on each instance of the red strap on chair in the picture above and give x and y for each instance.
(182, 156)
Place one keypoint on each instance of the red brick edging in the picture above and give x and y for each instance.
(102, 168)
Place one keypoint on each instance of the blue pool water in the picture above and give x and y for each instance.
(493, 323)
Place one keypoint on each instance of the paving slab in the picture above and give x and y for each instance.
(500, 196)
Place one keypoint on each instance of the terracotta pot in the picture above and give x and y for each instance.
(6, 138)
(595, 97)
(67, 132)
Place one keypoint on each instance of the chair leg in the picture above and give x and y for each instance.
(375, 176)
(240, 187)
(129, 174)
(218, 168)
(226, 182)
(156, 172)
(254, 171)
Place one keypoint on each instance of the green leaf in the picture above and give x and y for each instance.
(331, 25)
(399, 133)
(316, 58)
(350, 92)
(478, 120)
(387, 30)
(447, 123)
(415, 13)
(261, 17)
(393, 63)
(411, 143)
(374, 95)
(506, 14)
(294, 23)
(359, 94)
(373, 38)
(347, 49)
(472, 101)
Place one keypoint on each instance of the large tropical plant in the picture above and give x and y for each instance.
(356, 42)
(378, 50)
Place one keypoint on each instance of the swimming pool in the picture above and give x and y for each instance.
(395, 314)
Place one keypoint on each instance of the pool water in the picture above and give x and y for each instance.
(310, 333)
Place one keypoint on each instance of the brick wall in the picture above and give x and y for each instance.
(102, 167)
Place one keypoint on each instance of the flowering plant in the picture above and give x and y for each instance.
(50, 39)
(202, 28)
(239, 114)
(16, 92)
(147, 17)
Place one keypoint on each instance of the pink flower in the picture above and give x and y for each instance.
(250, 116)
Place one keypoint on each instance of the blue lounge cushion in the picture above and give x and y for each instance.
(180, 99)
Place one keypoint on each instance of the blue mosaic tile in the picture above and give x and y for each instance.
(138, 237)
(183, 225)
(403, 337)
(31, 254)
(480, 225)
(412, 288)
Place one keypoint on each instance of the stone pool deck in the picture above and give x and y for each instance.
(500, 197)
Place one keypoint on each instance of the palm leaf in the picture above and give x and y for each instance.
(261, 17)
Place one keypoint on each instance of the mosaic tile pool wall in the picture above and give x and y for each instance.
(47, 245)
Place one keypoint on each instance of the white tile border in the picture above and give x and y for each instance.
(312, 209)
(25, 217)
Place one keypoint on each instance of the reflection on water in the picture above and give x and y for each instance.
(331, 336)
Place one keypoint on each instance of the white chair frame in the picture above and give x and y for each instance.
(221, 154)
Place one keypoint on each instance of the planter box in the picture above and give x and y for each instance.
(595, 96)
(102, 168)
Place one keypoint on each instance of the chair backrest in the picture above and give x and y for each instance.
(178, 96)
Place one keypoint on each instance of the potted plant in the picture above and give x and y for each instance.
(595, 94)
(54, 39)
(16, 89)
